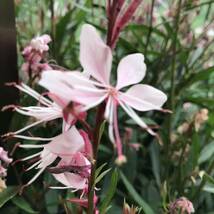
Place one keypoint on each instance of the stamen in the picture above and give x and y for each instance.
(111, 120)
(34, 165)
(116, 130)
(40, 97)
(107, 109)
(31, 156)
(36, 176)
(29, 126)
(68, 187)
(32, 138)
(31, 146)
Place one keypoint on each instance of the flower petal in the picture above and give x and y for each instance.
(41, 113)
(55, 81)
(67, 143)
(144, 97)
(95, 55)
(131, 70)
(70, 86)
(136, 118)
(71, 180)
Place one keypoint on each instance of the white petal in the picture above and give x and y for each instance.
(136, 118)
(144, 97)
(131, 70)
(67, 143)
(95, 55)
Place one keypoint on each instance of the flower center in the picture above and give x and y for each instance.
(113, 92)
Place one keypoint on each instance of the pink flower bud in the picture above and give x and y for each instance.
(4, 157)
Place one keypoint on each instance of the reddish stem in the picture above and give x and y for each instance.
(121, 23)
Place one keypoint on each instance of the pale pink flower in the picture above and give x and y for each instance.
(68, 147)
(76, 169)
(34, 55)
(96, 59)
(47, 110)
(4, 156)
(40, 43)
(182, 204)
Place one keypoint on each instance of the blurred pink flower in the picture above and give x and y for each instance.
(40, 43)
(182, 204)
(34, 54)
(4, 156)
(68, 147)
(4, 162)
(96, 59)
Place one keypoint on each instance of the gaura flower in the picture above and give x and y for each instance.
(183, 205)
(96, 60)
(34, 54)
(46, 111)
(40, 43)
(67, 147)
(72, 171)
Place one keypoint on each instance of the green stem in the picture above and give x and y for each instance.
(173, 74)
(173, 68)
(53, 27)
(96, 142)
(150, 26)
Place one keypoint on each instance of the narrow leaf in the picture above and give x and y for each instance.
(99, 178)
(102, 128)
(23, 204)
(99, 169)
(206, 153)
(146, 208)
(111, 191)
(8, 194)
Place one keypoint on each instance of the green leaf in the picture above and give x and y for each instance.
(98, 170)
(145, 29)
(102, 128)
(111, 191)
(208, 178)
(8, 194)
(99, 178)
(61, 29)
(23, 204)
(199, 76)
(155, 158)
(209, 188)
(51, 196)
(206, 153)
(146, 208)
